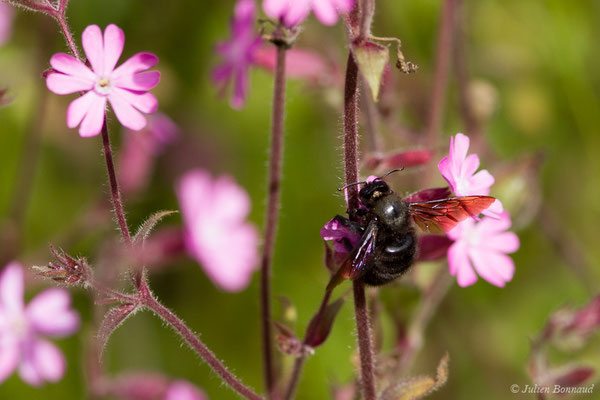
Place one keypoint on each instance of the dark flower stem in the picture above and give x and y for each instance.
(197, 345)
(273, 200)
(299, 363)
(440, 79)
(365, 343)
(114, 188)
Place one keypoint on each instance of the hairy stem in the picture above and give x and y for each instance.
(114, 188)
(299, 363)
(273, 200)
(198, 346)
(442, 66)
(351, 168)
(365, 343)
(62, 22)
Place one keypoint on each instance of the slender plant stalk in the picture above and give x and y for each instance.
(299, 363)
(365, 342)
(273, 200)
(440, 79)
(198, 346)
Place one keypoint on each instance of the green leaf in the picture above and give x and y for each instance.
(371, 59)
(418, 387)
(145, 229)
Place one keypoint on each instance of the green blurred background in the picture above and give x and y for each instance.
(538, 62)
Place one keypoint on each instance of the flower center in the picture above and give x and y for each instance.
(19, 326)
(103, 86)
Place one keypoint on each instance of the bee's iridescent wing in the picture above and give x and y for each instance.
(442, 215)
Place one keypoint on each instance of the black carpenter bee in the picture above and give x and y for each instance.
(388, 245)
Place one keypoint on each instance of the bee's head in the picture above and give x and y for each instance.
(372, 192)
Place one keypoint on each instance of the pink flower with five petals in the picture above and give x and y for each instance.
(22, 328)
(458, 169)
(293, 12)
(216, 232)
(482, 247)
(125, 87)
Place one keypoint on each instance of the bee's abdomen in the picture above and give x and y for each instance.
(393, 256)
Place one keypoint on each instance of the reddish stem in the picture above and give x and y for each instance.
(198, 346)
(351, 167)
(273, 204)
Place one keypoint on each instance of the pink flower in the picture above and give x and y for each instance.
(293, 12)
(21, 328)
(482, 247)
(125, 87)
(458, 170)
(6, 19)
(140, 149)
(216, 232)
(183, 390)
(238, 53)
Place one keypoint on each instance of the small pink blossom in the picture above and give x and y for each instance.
(217, 234)
(183, 390)
(125, 87)
(6, 22)
(482, 247)
(293, 12)
(344, 237)
(140, 149)
(458, 170)
(239, 53)
(22, 328)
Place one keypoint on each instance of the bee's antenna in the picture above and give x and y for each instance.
(350, 184)
(391, 172)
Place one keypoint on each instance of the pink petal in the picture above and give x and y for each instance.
(69, 65)
(143, 101)
(446, 171)
(230, 201)
(94, 118)
(136, 63)
(42, 361)
(182, 390)
(480, 183)
(79, 108)
(460, 265)
(141, 81)
(489, 226)
(496, 268)
(127, 115)
(6, 22)
(325, 11)
(93, 45)
(240, 87)
(230, 264)
(12, 284)
(495, 210)
(114, 40)
(344, 6)
(66, 84)
(459, 145)
(469, 166)
(297, 12)
(275, 8)
(50, 314)
(505, 242)
(192, 193)
(9, 355)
